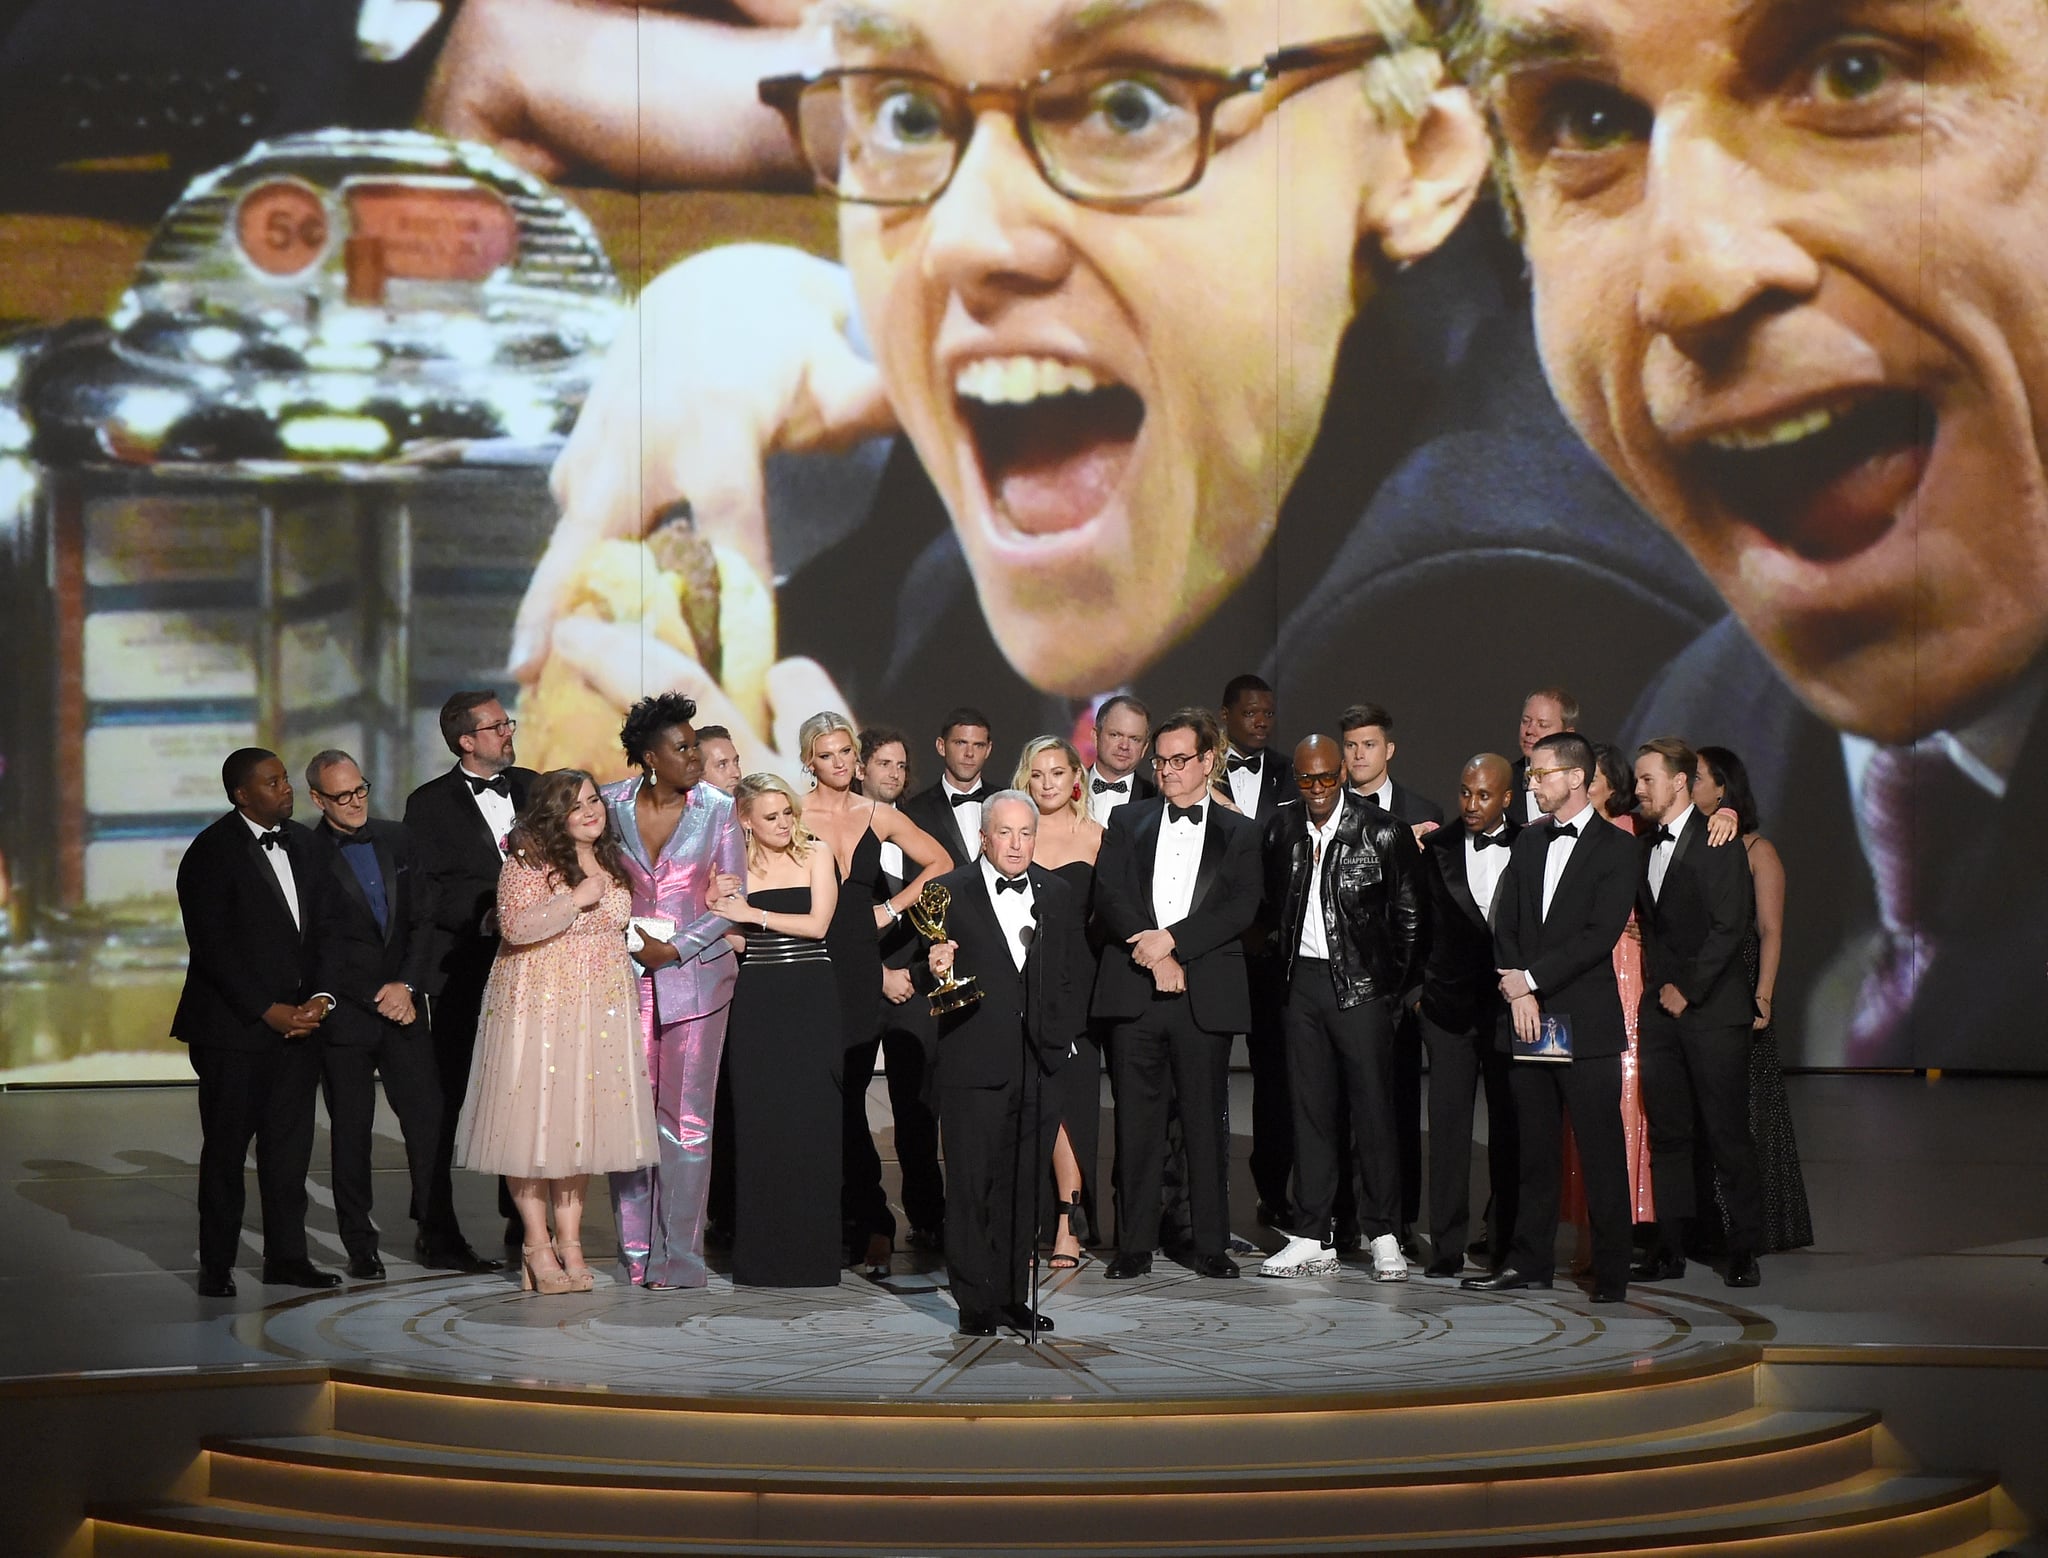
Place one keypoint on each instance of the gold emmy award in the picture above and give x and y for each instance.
(928, 916)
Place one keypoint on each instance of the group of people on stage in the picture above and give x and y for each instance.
(683, 980)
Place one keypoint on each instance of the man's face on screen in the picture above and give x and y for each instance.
(1791, 287)
(1114, 401)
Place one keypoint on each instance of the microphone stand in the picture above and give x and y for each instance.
(1029, 936)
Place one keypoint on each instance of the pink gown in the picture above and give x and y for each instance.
(559, 1085)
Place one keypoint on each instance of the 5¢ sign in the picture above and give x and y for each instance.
(282, 227)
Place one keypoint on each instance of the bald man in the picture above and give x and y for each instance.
(1461, 1010)
(1344, 911)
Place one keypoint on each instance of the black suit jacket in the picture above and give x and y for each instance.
(1694, 928)
(1226, 900)
(1276, 781)
(454, 851)
(1460, 980)
(247, 954)
(1570, 951)
(352, 957)
(1414, 808)
(931, 810)
(1046, 1001)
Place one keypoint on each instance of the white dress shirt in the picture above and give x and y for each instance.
(1484, 869)
(892, 862)
(1313, 943)
(1383, 797)
(1559, 854)
(1661, 852)
(280, 867)
(498, 809)
(966, 816)
(1100, 806)
(1174, 867)
(1013, 911)
(1245, 783)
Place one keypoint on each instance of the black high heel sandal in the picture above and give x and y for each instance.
(1070, 1213)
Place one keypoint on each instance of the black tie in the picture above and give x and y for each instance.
(495, 784)
(1011, 884)
(1481, 840)
(1663, 835)
(1251, 762)
(972, 796)
(1103, 786)
(1183, 813)
(274, 839)
(1564, 830)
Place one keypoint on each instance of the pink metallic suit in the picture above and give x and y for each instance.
(683, 1005)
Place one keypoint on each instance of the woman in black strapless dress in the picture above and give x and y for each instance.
(783, 1050)
(1049, 771)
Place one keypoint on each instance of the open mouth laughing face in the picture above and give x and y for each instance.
(1113, 401)
(1790, 287)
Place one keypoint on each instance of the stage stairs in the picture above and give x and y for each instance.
(1687, 1460)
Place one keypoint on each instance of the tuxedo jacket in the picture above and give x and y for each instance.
(1045, 1002)
(454, 851)
(1460, 980)
(1570, 951)
(247, 954)
(931, 810)
(1276, 781)
(1694, 928)
(354, 958)
(1413, 807)
(1142, 788)
(1225, 902)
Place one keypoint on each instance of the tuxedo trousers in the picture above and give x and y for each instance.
(659, 1206)
(1460, 1064)
(997, 1142)
(1157, 1058)
(1341, 1059)
(1272, 1155)
(1590, 1088)
(404, 1058)
(1687, 1065)
(265, 1096)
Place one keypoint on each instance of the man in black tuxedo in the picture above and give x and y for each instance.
(1016, 930)
(1545, 712)
(950, 811)
(458, 824)
(1252, 774)
(1122, 727)
(1176, 886)
(1344, 908)
(371, 951)
(1367, 731)
(1461, 1013)
(249, 894)
(1557, 914)
(1695, 904)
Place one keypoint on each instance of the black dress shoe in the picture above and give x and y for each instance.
(972, 1324)
(1506, 1280)
(300, 1273)
(1610, 1292)
(1742, 1272)
(1215, 1266)
(452, 1257)
(1446, 1266)
(1021, 1317)
(930, 1240)
(216, 1284)
(1123, 1266)
(1659, 1266)
(365, 1268)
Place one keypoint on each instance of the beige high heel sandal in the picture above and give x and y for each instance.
(581, 1277)
(533, 1281)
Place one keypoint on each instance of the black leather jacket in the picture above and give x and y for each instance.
(1373, 905)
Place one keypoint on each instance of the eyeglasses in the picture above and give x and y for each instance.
(1317, 781)
(347, 797)
(1176, 763)
(1545, 773)
(1111, 135)
(503, 727)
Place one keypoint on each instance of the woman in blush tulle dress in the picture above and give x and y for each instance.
(559, 1090)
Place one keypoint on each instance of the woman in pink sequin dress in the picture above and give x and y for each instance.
(1613, 791)
(559, 1088)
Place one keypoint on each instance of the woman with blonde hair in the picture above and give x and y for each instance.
(559, 1088)
(783, 1049)
(1050, 771)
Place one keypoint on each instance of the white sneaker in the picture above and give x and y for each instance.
(1301, 1258)
(1388, 1263)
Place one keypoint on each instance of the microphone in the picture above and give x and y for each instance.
(1026, 934)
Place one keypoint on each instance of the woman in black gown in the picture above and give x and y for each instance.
(1049, 771)
(782, 1047)
(854, 828)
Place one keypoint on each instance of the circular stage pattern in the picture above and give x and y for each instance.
(1171, 1336)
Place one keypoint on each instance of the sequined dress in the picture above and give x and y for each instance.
(559, 1084)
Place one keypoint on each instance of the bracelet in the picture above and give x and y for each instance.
(764, 919)
(895, 914)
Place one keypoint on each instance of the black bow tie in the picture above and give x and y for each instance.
(1481, 840)
(495, 784)
(1251, 762)
(1662, 835)
(973, 797)
(1564, 830)
(274, 839)
(1183, 813)
(1011, 884)
(1103, 786)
